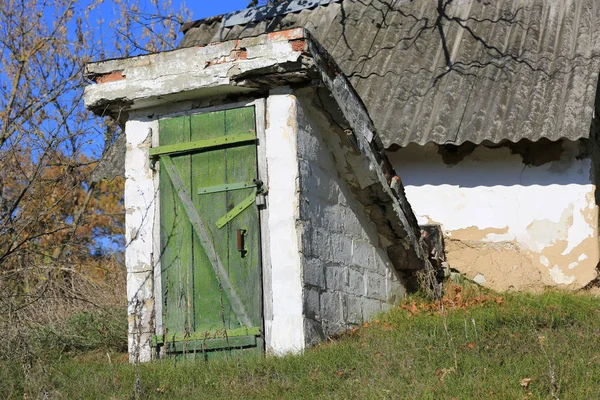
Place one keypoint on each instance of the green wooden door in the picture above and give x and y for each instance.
(209, 232)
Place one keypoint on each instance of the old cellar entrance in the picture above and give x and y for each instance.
(209, 234)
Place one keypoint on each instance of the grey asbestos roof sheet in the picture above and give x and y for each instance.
(520, 69)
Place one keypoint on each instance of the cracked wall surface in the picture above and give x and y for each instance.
(509, 225)
(139, 221)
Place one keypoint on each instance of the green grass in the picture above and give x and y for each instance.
(474, 351)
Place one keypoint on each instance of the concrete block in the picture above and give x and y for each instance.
(331, 328)
(314, 274)
(313, 332)
(309, 145)
(356, 282)
(331, 307)
(322, 244)
(382, 261)
(376, 287)
(306, 239)
(336, 277)
(363, 255)
(322, 184)
(351, 224)
(370, 308)
(332, 219)
(312, 307)
(304, 172)
(353, 309)
(396, 290)
(341, 248)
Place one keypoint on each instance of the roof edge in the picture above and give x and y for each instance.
(256, 14)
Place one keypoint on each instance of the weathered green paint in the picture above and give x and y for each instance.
(225, 187)
(178, 148)
(198, 346)
(201, 233)
(221, 289)
(160, 339)
(237, 210)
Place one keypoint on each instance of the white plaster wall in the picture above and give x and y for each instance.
(347, 276)
(284, 329)
(140, 195)
(508, 225)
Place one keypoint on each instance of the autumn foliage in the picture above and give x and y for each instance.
(56, 224)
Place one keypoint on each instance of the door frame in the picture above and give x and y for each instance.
(264, 266)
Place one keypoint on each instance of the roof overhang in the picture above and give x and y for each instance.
(235, 67)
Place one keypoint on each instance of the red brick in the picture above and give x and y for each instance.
(110, 77)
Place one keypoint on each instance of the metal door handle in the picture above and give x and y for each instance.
(240, 242)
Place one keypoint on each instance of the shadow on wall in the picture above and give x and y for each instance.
(468, 166)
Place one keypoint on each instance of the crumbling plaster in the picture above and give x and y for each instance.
(509, 226)
(140, 197)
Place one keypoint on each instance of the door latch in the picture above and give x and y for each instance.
(241, 233)
(261, 191)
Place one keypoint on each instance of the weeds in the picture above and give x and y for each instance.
(472, 344)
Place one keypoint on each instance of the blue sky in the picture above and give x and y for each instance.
(204, 8)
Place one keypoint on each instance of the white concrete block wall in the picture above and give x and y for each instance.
(284, 328)
(509, 226)
(346, 277)
(140, 197)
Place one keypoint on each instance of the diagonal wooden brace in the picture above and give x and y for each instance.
(204, 237)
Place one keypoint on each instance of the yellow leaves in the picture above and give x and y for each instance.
(525, 383)
(470, 345)
(542, 340)
(441, 373)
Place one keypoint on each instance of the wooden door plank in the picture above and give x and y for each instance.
(213, 311)
(206, 240)
(241, 166)
(176, 233)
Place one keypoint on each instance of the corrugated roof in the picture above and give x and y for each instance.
(533, 74)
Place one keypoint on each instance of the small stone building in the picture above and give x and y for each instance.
(258, 214)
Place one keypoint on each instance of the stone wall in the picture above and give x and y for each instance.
(347, 277)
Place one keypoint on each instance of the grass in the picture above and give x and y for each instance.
(480, 346)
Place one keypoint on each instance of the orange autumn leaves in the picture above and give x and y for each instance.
(457, 301)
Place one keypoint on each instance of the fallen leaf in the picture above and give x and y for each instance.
(525, 382)
(471, 345)
(339, 373)
(542, 339)
(441, 373)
